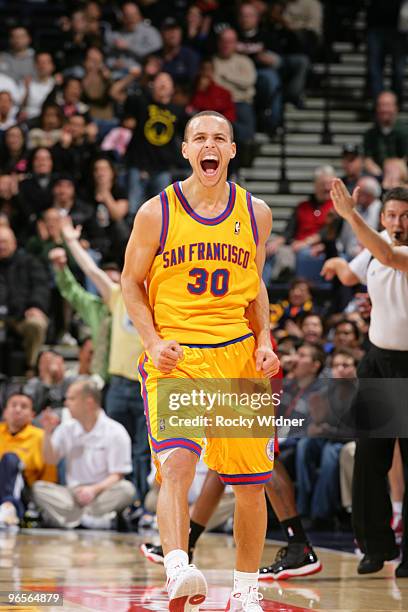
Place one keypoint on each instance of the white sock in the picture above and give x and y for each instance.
(174, 560)
(243, 581)
(397, 508)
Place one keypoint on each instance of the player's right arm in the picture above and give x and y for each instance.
(141, 250)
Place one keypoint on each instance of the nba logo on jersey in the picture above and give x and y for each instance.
(237, 228)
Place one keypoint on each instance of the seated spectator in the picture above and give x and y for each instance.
(369, 206)
(395, 173)
(36, 190)
(154, 147)
(49, 387)
(74, 42)
(210, 96)
(387, 139)
(311, 328)
(24, 295)
(111, 205)
(237, 74)
(299, 301)
(8, 112)
(9, 203)
(38, 86)
(136, 39)
(18, 62)
(69, 98)
(303, 382)
(352, 163)
(96, 85)
(294, 61)
(91, 308)
(317, 458)
(123, 399)
(304, 18)
(76, 148)
(48, 130)
(180, 62)
(197, 28)
(305, 229)
(15, 89)
(13, 152)
(85, 359)
(97, 456)
(347, 336)
(21, 457)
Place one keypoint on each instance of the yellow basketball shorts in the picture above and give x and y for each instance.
(238, 461)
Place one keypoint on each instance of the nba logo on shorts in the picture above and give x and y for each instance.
(237, 228)
(162, 425)
(270, 449)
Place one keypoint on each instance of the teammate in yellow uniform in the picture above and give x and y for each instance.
(192, 286)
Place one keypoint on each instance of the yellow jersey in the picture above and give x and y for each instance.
(27, 444)
(204, 274)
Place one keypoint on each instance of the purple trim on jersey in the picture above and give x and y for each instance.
(245, 479)
(171, 442)
(205, 220)
(252, 217)
(220, 344)
(165, 221)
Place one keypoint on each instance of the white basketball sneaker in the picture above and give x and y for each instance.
(187, 589)
(247, 602)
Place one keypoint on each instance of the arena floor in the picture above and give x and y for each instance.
(104, 572)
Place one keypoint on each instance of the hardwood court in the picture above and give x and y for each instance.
(104, 572)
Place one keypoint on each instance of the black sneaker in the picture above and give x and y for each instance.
(370, 564)
(402, 569)
(155, 553)
(290, 562)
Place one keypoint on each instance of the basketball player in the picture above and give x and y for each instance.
(193, 289)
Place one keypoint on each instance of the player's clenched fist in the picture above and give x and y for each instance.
(267, 361)
(165, 355)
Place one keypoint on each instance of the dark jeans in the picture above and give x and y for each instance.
(11, 481)
(372, 509)
(381, 42)
(318, 478)
(124, 404)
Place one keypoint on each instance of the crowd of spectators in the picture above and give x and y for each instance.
(91, 127)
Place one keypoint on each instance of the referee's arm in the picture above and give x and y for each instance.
(384, 252)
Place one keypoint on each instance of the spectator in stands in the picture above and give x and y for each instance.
(347, 336)
(388, 138)
(8, 112)
(24, 295)
(197, 28)
(383, 38)
(317, 456)
(210, 96)
(48, 130)
(18, 62)
(13, 152)
(111, 205)
(75, 40)
(369, 207)
(311, 328)
(91, 308)
(49, 235)
(14, 89)
(154, 147)
(253, 42)
(49, 387)
(181, 62)
(304, 18)
(130, 45)
(85, 359)
(298, 302)
(36, 190)
(9, 204)
(237, 74)
(123, 400)
(76, 148)
(97, 456)
(352, 163)
(304, 381)
(69, 98)
(21, 458)
(96, 85)
(64, 198)
(38, 86)
(305, 229)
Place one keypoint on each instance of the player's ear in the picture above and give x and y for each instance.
(184, 150)
(234, 150)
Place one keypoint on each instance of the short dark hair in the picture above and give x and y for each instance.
(347, 353)
(318, 354)
(353, 324)
(209, 113)
(17, 392)
(396, 193)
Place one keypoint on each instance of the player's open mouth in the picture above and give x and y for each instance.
(210, 164)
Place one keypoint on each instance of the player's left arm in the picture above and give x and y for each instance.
(258, 310)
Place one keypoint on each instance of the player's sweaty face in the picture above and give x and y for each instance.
(209, 149)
